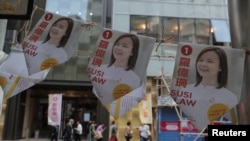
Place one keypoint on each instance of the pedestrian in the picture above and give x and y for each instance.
(99, 132)
(128, 131)
(140, 129)
(54, 132)
(68, 131)
(91, 135)
(113, 130)
(144, 130)
(78, 131)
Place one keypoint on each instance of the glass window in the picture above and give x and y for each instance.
(202, 30)
(217, 2)
(221, 30)
(152, 27)
(187, 30)
(170, 30)
(138, 24)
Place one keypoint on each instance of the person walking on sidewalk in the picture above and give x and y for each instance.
(68, 131)
(78, 131)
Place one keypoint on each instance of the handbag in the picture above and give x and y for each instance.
(98, 135)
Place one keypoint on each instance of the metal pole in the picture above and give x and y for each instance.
(239, 21)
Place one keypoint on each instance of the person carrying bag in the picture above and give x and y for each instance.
(113, 132)
(98, 133)
(128, 132)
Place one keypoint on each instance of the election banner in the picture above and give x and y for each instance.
(145, 111)
(51, 41)
(54, 109)
(204, 83)
(15, 79)
(118, 69)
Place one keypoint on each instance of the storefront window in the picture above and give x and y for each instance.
(170, 30)
(202, 30)
(187, 30)
(138, 24)
(153, 27)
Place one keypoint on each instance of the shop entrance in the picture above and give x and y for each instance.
(79, 105)
(83, 110)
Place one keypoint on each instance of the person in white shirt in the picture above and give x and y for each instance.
(207, 99)
(144, 132)
(78, 131)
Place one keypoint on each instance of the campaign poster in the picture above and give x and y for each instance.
(118, 68)
(205, 84)
(14, 76)
(51, 41)
(145, 109)
(54, 109)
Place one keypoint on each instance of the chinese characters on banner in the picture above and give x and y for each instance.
(54, 109)
(204, 82)
(51, 41)
(118, 69)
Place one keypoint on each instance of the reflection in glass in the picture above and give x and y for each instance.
(202, 28)
(152, 28)
(187, 30)
(171, 30)
(138, 24)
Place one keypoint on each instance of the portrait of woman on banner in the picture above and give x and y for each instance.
(50, 42)
(43, 54)
(117, 77)
(208, 98)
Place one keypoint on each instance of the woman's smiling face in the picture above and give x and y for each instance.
(122, 49)
(58, 30)
(208, 65)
